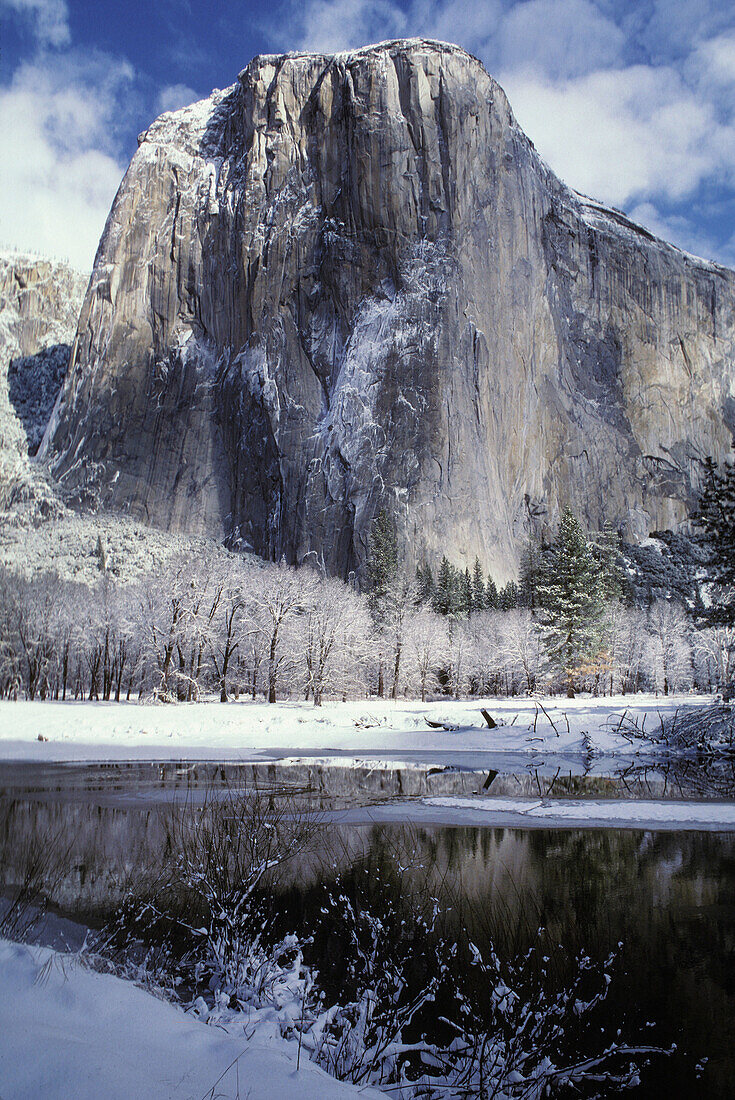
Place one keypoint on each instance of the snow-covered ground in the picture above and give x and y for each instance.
(554, 812)
(66, 1031)
(252, 731)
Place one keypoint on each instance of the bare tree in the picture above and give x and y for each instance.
(626, 637)
(426, 648)
(277, 594)
(668, 651)
(522, 648)
(714, 654)
(336, 633)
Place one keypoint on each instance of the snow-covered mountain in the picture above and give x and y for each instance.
(349, 282)
(40, 302)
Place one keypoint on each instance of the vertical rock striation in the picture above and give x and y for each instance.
(40, 302)
(348, 283)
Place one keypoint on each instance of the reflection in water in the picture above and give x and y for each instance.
(669, 897)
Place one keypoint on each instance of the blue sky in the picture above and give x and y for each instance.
(630, 102)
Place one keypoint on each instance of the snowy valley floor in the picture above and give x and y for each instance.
(246, 731)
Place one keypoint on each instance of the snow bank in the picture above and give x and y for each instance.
(249, 731)
(67, 1031)
(619, 812)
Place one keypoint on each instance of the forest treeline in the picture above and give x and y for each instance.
(238, 626)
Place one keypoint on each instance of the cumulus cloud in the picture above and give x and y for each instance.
(47, 19)
(332, 25)
(59, 126)
(624, 133)
(561, 38)
(633, 104)
(175, 96)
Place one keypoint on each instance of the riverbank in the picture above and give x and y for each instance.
(247, 730)
(66, 1029)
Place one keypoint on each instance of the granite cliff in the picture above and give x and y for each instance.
(40, 302)
(350, 282)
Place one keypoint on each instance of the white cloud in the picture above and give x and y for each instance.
(561, 38)
(59, 170)
(48, 19)
(620, 134)
(175, 96)
(476, 23)
(331, 25)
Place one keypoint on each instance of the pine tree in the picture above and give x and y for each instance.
(531, 572)
(478, 588)
(714, 521)
(492, 596)
(447, 597)
(571, 600)
(607, 553)
(465, 593)
(425, 584)
(382, 570)
(508, 596)
(382, 560)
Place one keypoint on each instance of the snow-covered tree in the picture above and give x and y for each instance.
(668, 651)
(477, 602)
(228, 627)
(426, 649)
(714, 655)
(382, 569)
(624, 638)
(570, 596)
(714, 520)
(336, 634)
(448, 591)
(276, 596)
(522, 649)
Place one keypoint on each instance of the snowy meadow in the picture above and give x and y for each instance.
(385, 839)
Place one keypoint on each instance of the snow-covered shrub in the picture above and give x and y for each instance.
(521, 1034)
(392, 962)
(381, 986)
(230, 852)
(700, 729)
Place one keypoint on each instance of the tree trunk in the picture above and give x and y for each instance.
(396, 673)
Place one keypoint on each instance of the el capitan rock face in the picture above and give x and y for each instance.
(350, 283)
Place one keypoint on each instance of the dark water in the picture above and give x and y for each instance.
(668, 896)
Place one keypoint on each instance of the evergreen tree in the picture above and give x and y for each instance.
(465, 592)
(447, 598)
(425, 585)
(492, 596)
(382, 560)
(478, 588)
(714, 521)
(508, 596)
(607, 551)
(531, 573)
(571, 600)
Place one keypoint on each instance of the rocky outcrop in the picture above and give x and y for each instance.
(349, 283)
(40, 303)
